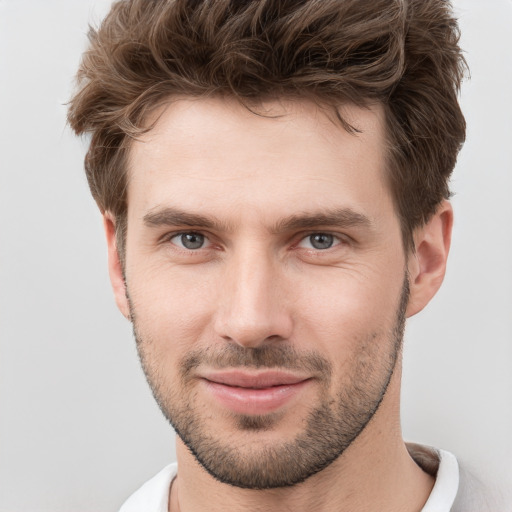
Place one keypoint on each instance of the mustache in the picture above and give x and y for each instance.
(267, 356)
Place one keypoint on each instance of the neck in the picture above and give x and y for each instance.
(375, 473)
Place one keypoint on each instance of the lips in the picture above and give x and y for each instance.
(267, 379)
(253, 393)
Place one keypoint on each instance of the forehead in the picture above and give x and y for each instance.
(215, 154)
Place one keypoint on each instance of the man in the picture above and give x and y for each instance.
(273, 177)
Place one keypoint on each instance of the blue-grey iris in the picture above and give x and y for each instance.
(321, 240)
(192, 240)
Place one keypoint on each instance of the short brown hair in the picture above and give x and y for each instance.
(403, 54)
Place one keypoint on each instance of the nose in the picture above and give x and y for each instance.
(253, 303)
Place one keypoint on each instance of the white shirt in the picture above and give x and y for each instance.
(153, 496)
(446, 486)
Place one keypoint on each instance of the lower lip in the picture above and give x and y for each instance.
(254, 401)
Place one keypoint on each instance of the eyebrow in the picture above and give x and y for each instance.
(174, 217)
(341, 218)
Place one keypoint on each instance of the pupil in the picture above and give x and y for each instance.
(321, 241)
(192, 240)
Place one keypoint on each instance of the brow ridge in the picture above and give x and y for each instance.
(341, 217)
(170, 216)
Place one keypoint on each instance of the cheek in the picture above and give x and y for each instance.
(171, 306)
(340, 313)
(350, 297)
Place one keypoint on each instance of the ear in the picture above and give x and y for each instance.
(427, 265)
(115, 268)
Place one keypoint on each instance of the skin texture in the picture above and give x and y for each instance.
(293, 262)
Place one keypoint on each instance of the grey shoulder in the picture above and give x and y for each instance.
(475, 494)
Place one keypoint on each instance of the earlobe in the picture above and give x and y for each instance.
(427, 265)
(115, 268)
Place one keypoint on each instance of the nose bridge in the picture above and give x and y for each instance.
(251, 308)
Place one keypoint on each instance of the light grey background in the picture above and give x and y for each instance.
(78, 427)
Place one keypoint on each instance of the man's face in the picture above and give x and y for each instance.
(266, 282)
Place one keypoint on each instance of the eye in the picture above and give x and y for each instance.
(190, 241)
(319, 241)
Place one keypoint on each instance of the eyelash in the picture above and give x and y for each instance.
(170, 236)
(337, 241)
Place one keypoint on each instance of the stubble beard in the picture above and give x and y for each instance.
(329, 428)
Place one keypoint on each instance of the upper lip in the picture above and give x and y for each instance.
(256, 380)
